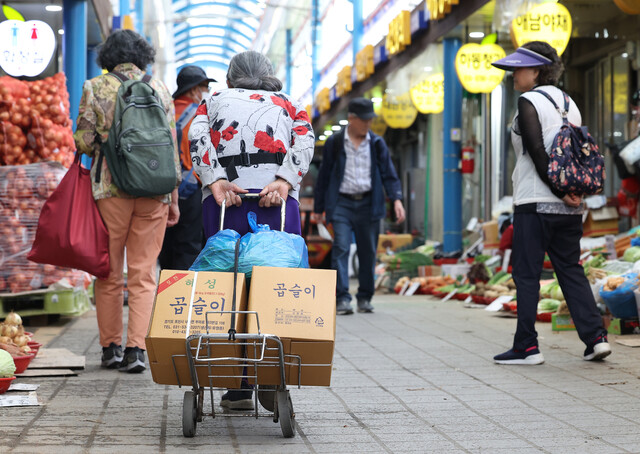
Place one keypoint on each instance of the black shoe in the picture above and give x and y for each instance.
(364, 306)
(343, 308)
(598, 350)
(530, 356)
(133, 361)
(111, 356)
(238, 399)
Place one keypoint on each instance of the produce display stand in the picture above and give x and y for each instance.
(73, 301)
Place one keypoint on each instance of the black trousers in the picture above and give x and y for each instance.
(559, 236)
(184, 241)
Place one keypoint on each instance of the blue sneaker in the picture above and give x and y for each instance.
(598, 350)
(531, 356)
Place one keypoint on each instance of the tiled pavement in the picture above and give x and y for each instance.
(416, 376)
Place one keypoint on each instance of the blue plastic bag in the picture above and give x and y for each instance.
(261, 247)
(218, 253)
(266, 247)
(621, 301)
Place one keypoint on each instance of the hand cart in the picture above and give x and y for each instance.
(260, 350)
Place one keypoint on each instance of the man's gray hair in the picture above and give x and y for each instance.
(253, 71)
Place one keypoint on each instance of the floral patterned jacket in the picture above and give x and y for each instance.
(250, 122)
(95, 116)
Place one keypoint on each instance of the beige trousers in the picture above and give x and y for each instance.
(138, 224)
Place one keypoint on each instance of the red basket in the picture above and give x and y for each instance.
(544, 317)
(34, 346)
(5, 383)
(22, 362)
(461, 296)
(440, 262)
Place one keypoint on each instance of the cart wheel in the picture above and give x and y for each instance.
(267, 397)
(285, 413)
(189, 414)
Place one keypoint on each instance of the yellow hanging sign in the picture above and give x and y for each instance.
(364, 63)
(399, 35)
(439, 8)
(548, 22)
(323, 102)
(398, 111)
(428, 94)
(343, 84)
(473, 65)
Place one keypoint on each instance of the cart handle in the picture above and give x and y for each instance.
(255, 195)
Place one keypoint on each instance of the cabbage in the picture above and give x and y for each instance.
(556, 292)
(548, 305)
(7, 366)
(632, 254)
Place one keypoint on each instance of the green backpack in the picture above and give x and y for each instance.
(140, 148)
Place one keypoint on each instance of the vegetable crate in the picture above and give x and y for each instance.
(44, 302)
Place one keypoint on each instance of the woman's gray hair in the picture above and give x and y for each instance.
(253, 71)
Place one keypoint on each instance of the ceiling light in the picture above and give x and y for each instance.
(625, 55)
(328, 133)
(335, 128)
(323, 137)
(428, 68)
(53, 8)
(376, 99)
(476, 35)
(61, 31)
(344, 122)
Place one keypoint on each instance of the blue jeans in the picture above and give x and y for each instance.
(353, 218)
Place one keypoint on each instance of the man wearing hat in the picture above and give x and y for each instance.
(355, 168)
(183, 242)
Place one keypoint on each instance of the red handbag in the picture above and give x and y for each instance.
(71, 232)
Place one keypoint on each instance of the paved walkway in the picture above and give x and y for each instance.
(415, 376)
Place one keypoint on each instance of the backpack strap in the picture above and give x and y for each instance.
(563, 113)
(246, 160)
(184, 119)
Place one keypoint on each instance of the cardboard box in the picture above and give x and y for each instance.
(299, 306)
(180, 310)
(562, 322)
(393, 241)
(600, 222)
(491, 237)
(624, 326)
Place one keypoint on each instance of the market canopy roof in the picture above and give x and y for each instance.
(208, 33)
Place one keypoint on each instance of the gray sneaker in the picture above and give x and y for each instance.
(364, 306)
(133, 361)
(343, 308)
(111, 356)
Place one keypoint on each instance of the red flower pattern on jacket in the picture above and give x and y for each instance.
(285, 104)
(228, 133)
(265, 142)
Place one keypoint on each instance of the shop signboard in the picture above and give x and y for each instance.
(398, 111)
(438, 9)
(323, 104)
(343, 84)
(548, 22)
(473, 65)
(26, 48)
(399, 35)
(428, 94)
(364, 63)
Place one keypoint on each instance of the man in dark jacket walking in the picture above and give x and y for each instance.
(355, 167)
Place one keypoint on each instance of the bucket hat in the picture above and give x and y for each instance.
(521, 58)
(189, 77)
(362, 108)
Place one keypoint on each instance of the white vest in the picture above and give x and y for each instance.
(527, 185)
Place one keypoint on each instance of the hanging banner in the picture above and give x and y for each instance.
(398, 111)
(428, 95)
(26, 48)
(473, 65)
(548, 22)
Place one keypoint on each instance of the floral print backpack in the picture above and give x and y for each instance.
(575, 164)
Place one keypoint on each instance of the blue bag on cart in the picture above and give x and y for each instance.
(265, 247)
(218, 253)
(260, 247)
